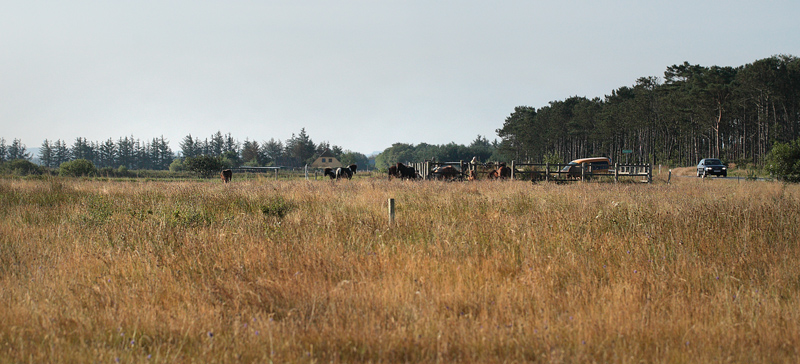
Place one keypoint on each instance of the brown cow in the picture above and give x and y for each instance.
(393, 172)
(226, 175)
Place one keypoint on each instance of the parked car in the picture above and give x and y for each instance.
(710, 167)
(598, 165)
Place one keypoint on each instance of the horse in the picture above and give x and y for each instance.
(346, 172)
(340, 172)
(445, 173)
(501, 172)
(406, 172)
(226, 175)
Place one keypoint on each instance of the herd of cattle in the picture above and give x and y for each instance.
(402, 171)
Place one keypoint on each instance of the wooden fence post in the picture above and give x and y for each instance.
(391, 211)
(547, 172)
(616, 172)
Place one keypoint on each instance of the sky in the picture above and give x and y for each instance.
(358, 74)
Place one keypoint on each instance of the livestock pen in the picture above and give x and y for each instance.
(535, 172)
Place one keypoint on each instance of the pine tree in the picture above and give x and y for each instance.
(61, 153)
(107, 154)
(17, 150)
(3, 150)
(46, 154)
(189, 147)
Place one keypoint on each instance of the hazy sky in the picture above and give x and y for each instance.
(358, 74)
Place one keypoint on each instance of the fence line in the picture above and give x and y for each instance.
(555, 172)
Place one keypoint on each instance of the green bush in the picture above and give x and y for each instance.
(20, 167)
(176, 165)
(277, 207)
(204, 165)
(106, 172)
(783, 161)
(77, 168)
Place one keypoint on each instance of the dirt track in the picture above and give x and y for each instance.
(685, 171)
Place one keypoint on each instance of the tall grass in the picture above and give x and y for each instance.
(311, 271)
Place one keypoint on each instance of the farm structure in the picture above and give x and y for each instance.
(432, 170)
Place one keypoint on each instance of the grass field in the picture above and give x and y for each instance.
(311, 271)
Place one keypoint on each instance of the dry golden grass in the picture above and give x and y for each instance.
(311, 271)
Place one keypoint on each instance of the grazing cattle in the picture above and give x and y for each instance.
(445, 173)
(501, 172)
(340, 172)
(346, 172)
(406, 172)
(393, 172)
(226, 175)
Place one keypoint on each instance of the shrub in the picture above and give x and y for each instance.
(783, 161)
(77, 168)
(176, 165)
(204, 165)
(106, 172)
(277, 207)
(123, 171)
(20, 167)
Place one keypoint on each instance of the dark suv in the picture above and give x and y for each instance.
(711, 166)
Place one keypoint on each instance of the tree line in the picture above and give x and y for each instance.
(480, 148)
(732, 113)
(15, 150)
(156, 154)
(126, 152)
(297, 151)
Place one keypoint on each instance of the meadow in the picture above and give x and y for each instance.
(260, 270)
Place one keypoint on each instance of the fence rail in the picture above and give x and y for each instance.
(536, 171)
